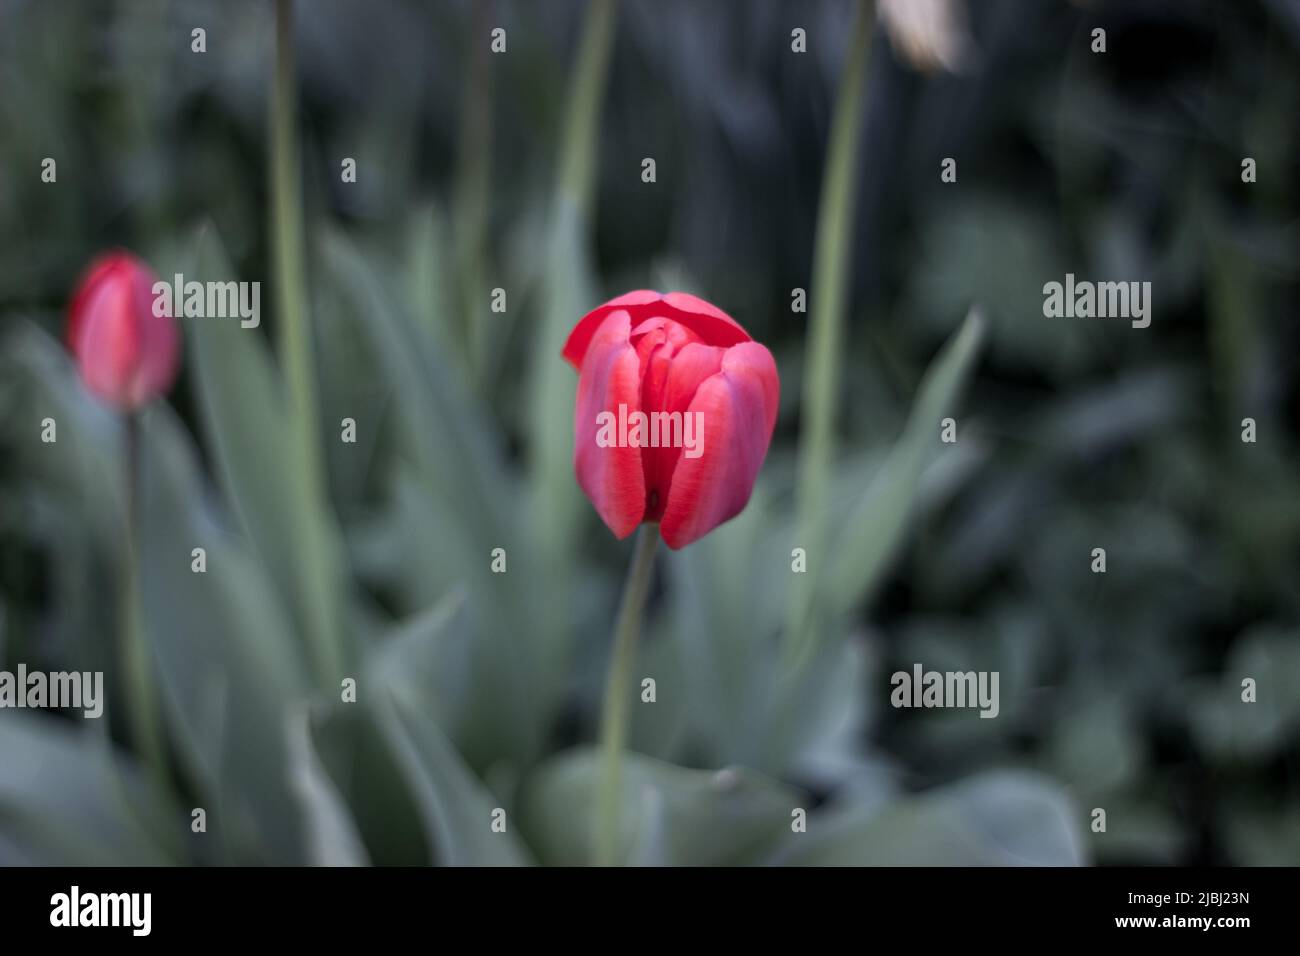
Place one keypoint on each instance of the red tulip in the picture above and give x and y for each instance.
(126, 352)
(649, 353)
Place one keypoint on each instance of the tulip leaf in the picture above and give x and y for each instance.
(726, 594)
(247, 422)
(441, 428)
(672, 816)
(426, 276)
(412, 659)
(1003, 818)
(66, 800)
(354, 752)
(567, 294)
(567, 287)
(872, 531)
(224, 648)
(330, 835)
(568, 291)
(465, 676)
(450, 497)
(420, 659)
(719, 589)
(86, 461)
(817, 723)
(459, 813)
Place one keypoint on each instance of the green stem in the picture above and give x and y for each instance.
(287, 226)
(575, 180)
(323, 634)
(613, 727)
(552, 389)
(566, 293)
(473, 178)
(141, 697)
(821, 379)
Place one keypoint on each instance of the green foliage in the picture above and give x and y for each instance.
(995, 819)
(675, 817)
(67, 799)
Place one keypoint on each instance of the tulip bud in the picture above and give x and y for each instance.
(126, 352)
(689, 401)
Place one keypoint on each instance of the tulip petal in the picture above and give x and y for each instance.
(688, 304)
(160, 344)
(687, 369)
(91, 282)
(107, 344)
(611, 477)
(739, 405)
(126, 355)
(711, 324)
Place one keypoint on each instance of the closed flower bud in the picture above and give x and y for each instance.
(127, 352)
(675, 411)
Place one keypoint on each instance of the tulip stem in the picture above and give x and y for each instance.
(314, 595)
(141, 702)
(613, 726)
(821, 380)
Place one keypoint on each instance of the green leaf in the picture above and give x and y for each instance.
(229, 664)
(722, 622)
(440, 425)
(871, 532)
(330, 834)
(727, 593)
(248, 424)
(408, 660)
(226, 656)
(425, 265)
(424, 658)
(354, 751)
(1004, 818)
(568, 292)
(456, 808)
(66, 800)
(818, 733)
(672, 816)
(86, 461)
(433, 658)
(493, 691)
(452, 498)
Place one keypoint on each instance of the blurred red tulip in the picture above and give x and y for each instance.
(649, 353)
(126, 354)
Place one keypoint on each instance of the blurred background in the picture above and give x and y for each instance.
(522, 171)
